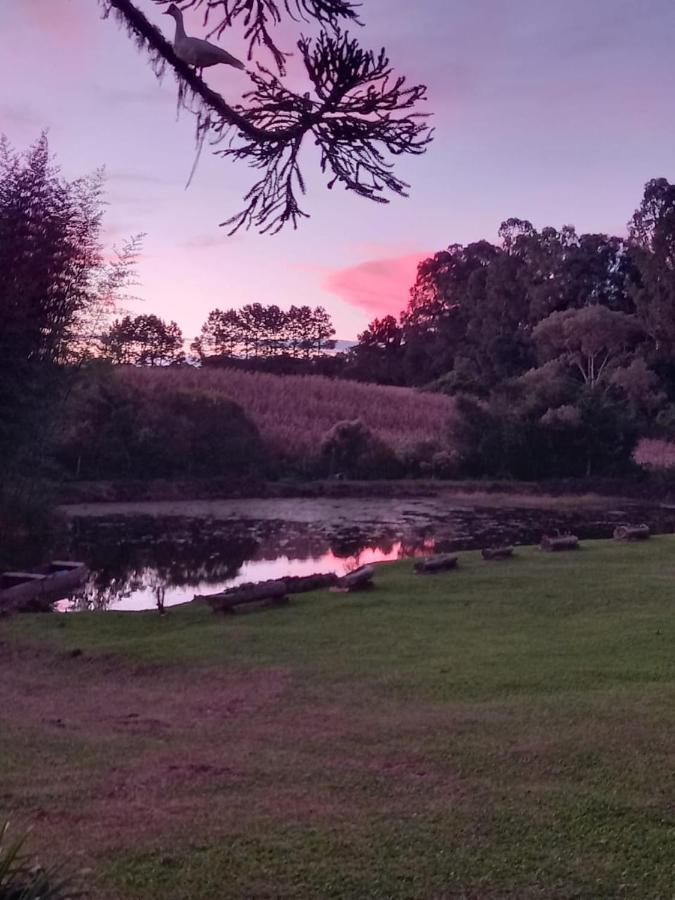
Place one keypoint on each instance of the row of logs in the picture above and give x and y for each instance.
(275, 593)
(549, 543)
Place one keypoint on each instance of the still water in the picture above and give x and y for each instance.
(143, 554)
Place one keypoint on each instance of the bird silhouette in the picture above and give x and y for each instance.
(197, 52)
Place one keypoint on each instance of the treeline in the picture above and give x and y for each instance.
(254, 334)
(256, 331)
(559, 346)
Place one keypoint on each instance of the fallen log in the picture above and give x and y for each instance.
(268, 593)
(302, 584)
(559, 543)
(358, 580)
(632, 533)
(490, 553)
(444, 562)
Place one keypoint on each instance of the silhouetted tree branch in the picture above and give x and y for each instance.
(358, 112)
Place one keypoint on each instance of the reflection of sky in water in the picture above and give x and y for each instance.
(142, 592)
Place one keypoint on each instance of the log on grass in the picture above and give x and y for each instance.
(270, 593)
(433, 564)
(302, 584)
(556, 544)
(490, 553)
(358, 580)
(632, 533)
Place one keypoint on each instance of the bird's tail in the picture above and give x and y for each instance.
(233, 61)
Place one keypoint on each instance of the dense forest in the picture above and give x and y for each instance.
(559, 347)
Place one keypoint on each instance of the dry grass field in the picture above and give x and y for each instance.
(294, 413)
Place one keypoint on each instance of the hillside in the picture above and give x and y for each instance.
(293, 413)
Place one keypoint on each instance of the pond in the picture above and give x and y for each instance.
(143, 554)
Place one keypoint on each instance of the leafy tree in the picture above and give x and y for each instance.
(354, 108)
(145, 340)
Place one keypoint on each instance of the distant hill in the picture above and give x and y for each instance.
(343, 346)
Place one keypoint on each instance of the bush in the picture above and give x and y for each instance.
(351, 449)
(113, 429)
(445, 464)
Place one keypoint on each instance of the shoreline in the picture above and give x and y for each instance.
(80, 495)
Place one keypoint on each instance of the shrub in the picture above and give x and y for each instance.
(116, 430)
(352, 450)
(22, 879)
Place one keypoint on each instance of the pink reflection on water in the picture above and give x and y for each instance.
(144, 591)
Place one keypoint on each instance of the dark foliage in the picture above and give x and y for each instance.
(113, 430)
(505, 438)
(356, 111)
(265, 333)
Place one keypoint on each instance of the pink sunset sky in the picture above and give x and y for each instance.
(555, 112)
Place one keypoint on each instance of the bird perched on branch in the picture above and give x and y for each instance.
(195, 51)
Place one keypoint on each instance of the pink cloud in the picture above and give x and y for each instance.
(380, 287)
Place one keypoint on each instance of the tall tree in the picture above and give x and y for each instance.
(353, 107)
(321, 332)
(56, 288)
(652, 233)
(221, 334)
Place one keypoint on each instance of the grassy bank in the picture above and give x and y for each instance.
(501, 731)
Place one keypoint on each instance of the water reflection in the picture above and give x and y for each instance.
(151, 562)
(137, 566)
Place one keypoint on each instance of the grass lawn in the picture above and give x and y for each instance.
(507, 730)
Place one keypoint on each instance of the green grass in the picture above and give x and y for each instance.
(501, 731)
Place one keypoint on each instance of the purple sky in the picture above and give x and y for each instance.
(553, 111)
